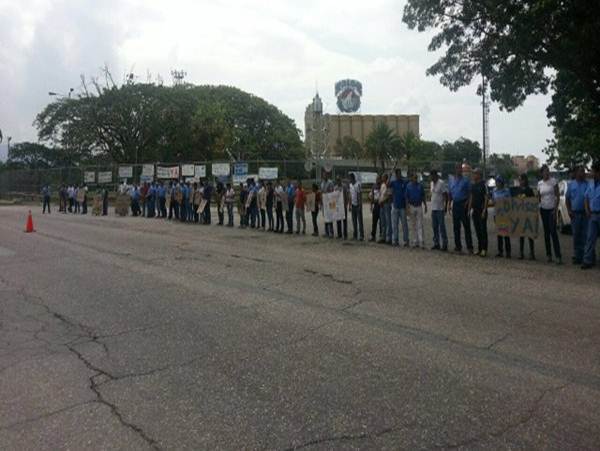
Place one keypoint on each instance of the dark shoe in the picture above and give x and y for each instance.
(549, 259)
(445, 249)
(406, 245)
(372, 239)
(435, 248)
(587, 266)
(457, 250)
(532, 257)
(521, 256)
(507, 255)
(559, 261)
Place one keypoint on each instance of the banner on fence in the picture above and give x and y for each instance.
(333, 206)
(268, 173)
(105, 177)
(237, 179)
(200, 171)
(167, 172)
(240, 169)
(187, 170)
(517, 217)
(122, 204)
(89, 177)
(220, 169)
(366, 177)
(148, 170)
(125, 172)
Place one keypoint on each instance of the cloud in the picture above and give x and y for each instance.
(277, 50)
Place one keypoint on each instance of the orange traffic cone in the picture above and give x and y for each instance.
(29, 224)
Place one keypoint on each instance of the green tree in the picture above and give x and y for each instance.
(461, 150)
(501, 164)
(36, 156)
(349, 148)
(382, 144)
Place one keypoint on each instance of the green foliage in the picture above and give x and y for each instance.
(146, 122)
(501, 164)
(461, 150)
(523, 47)
(382, 144)
(27, 155)
(349, 148)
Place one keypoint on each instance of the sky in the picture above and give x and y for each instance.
(280, 50)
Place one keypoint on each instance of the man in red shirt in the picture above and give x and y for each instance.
(300, 201)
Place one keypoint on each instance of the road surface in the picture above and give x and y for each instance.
(131, 333)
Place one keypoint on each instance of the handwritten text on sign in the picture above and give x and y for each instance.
(517, 217)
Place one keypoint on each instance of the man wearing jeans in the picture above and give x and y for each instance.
(358, 231)
(460, 191)
(415, 197)
(575, 200)
(439, 207)
(399, 209)
(592, 209)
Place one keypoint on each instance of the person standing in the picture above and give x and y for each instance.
(548, 196)
(374, 199)
(291, 193)
(229, 202)
(71, 194)
(460, 191)
(144, 197)
(575, 200)
(135, 201)
(279, 207)
(262, 204)
(501, 192)
(62, 193)
(398, 211)
(416, 204)
(104, 201)
(45, 199)
(84, 208)
(220, 198)
(151, 200)
(207, 194)
(478, 204)
(592, 209)
(326, 188)
(358, 230)
(183, 209)
(385, 209)
(162, 200)
(242, 205)
(342, 225)
(269, 202)
(315, 211)
(521, 192)
(300, 204)
(439, 208)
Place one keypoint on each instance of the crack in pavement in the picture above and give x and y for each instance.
(342, 438)
(46, 415)
(329, 276)
(526, 417)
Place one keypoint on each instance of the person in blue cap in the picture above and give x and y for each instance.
(501, 192)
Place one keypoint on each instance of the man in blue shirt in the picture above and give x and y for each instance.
(398, 186)
(575, 200)
(46, 198)
(185, 195)
(289, 214)
(207, 196)
(162, 200)
(415, 197)
(460, 190)
(592, 208)
(151, 201)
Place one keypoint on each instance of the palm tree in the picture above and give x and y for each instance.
(381, 144)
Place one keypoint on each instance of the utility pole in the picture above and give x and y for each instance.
(485, 121)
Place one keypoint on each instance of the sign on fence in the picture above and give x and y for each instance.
(240, 169)
(89, 177)
(122, 204)
(333, 206)
(220, 169)
(517, 217)
(148, 170)
(268, 173)
(199, 171)
(125, 172)
(164, 172)
(105, 177)
(187, 170)
(237, 179)
(366, 177)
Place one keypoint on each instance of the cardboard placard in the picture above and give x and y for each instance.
(122, 204)
(311, 202)
(333, 206)
(517, 217)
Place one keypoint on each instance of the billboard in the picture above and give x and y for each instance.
(348, 94)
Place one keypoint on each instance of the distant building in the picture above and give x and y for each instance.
(322, 131)
(525, 164)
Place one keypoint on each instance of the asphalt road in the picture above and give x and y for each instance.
(130, 333)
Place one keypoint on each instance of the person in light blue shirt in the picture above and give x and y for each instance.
(289, 214)
(161, 193)
(185, 195)
(592, 208)
(501, 192)
(460, 191)
(575, 200)
(398, 212)
(151, 201)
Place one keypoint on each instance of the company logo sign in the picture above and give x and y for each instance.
(348, 94)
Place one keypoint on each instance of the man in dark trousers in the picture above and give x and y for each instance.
(46, 198)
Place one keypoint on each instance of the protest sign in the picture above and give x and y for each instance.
(167, 172)
(187, 170)
(202, 206)
(122, 204)
(148, 170)
(125, 172)
(240, 169)
(220, 169)
(89, 177)
(333, 206)
(268, 173)
(97, 205)
(517, 217)
(80, 195)
(311, 202)
(105, 177)
(199, 171)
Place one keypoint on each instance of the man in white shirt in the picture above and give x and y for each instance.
(358, 230)
(439, 207)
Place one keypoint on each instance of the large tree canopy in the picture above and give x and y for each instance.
(147, 122)
(523, 47)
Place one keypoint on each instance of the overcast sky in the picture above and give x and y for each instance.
(279, 50)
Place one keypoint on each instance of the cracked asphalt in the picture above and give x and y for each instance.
(130, 333)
